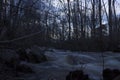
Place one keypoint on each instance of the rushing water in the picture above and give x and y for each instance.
(61, 62)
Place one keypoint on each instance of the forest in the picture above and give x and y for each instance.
(86, 25)
(59, 40)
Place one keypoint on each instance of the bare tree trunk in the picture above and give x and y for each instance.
(5, 10)
(82, 28)
(101, 34)
(75, 20)
(114, 13)
(17, 11)
(69, 34)
(110, 19)
(85, 21)
(93, 19)
(1, 11)
(115, 28)
(111, 39)
(100, 19)
(11, 11)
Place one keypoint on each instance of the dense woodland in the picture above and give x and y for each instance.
(85, 25)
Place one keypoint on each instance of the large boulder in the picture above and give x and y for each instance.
(109, 74)
(9, 57)
(23, 54)
(24, 68)
(77, 75)
(33, 55)
(37, 54)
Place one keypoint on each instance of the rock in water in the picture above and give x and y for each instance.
(109, 74)
(24, 68)
(23, 54)
(77, 75)
(34, 55)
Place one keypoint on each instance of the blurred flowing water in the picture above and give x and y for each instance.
(61, 62)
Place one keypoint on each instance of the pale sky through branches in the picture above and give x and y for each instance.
(56, 2)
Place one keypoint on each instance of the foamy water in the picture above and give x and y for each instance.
(61, 62)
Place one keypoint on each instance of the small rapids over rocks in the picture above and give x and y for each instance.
(59, 63)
